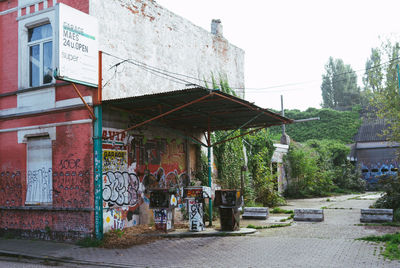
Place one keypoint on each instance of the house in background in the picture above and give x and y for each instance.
(47, 157)
(373, 153)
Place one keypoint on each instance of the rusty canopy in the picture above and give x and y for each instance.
(196, 110)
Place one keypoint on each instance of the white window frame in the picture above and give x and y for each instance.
(41, 43)
(24, 24)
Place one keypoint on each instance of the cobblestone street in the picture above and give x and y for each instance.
(330, 243)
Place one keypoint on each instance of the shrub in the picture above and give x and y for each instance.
(319, 168)
(391, 198)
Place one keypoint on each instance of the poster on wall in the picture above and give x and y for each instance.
(115, 160)
(76, 46)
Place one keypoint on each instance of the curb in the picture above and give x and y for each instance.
(207, 233)
(241, 232)
(60, 259)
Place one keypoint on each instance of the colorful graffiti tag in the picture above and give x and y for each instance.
(120, 188)
(371, 172)
(133, 164)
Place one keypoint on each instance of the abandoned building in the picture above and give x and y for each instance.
(373, 153)
(76, 159)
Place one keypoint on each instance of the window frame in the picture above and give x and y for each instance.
(48, 202)
(24, 24)
(41, 43)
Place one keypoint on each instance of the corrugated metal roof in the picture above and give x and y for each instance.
(371, 130)
(197, 109)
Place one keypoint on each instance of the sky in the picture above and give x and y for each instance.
(288, 42)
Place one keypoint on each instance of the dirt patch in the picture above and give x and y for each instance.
(136, 235)
(383, 229)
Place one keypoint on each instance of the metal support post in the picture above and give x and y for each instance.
(209, 183)
(98, 170)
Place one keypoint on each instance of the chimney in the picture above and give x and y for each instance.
(216, 27)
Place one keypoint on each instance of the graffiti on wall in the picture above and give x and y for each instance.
(372, 171)
(119, 217)
(62, 222)
(120, 188)
(71, 183)
(10, 188)
(133, 164)
(39, 186)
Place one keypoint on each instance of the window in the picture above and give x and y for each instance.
(40, 55)
(39, 171)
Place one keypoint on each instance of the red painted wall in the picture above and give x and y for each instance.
(8, 50)
(71, 214)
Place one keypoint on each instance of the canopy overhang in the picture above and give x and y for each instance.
(196, 110)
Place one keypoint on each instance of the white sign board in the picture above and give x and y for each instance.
(77, 46)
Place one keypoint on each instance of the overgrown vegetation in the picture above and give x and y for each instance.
(278, 210)
(391, 198)
(260, 185)
(259, 148)
(392, 244)
(333, 125)
(320, 167)
(316, 168)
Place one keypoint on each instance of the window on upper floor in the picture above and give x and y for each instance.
(40, 45)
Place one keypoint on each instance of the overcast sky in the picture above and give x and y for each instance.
(287, 43)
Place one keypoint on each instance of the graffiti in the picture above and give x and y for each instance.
(69, 164)
(174, 154)
(115, 160)
(39, 186)
(120, 188)
(65, 221)
(163, 219)
(372, 171)
(10, 188)
(172, 180)
(72, 184)
(159, 180)
(195, 209)
(119, 218)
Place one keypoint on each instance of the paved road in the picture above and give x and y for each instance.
(327, 244)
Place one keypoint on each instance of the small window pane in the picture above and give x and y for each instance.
(47, 60)
(39, 32)
(34, 65)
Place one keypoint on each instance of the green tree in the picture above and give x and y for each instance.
(384, 85)
(339, 86)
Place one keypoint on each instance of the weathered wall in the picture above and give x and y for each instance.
(149, 33)
(53, 110)
(133, 163)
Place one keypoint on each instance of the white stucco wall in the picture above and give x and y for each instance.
(144, 31)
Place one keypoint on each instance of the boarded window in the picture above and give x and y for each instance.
(39, 172)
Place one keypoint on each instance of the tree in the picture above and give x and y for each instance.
(339, 86)
(384, 85)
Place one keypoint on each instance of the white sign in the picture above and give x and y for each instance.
(77, 46)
